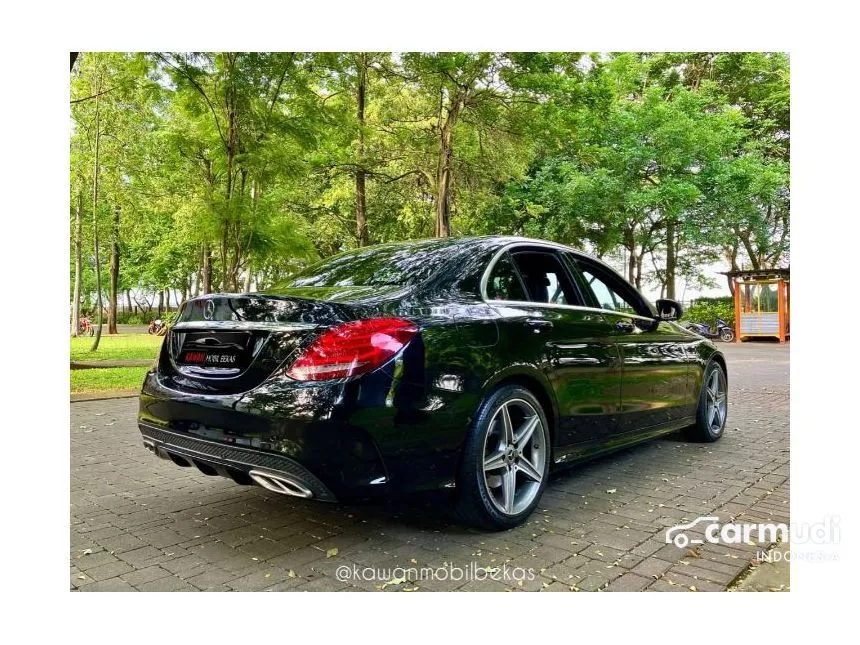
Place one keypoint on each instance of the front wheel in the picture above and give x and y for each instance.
(713, 406)
(505, 461)
(727, 335)
(91, 331)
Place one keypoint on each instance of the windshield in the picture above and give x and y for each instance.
(401, 265)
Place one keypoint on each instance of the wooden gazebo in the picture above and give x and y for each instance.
(762, 303)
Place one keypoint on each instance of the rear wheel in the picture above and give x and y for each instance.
(727, 335)
(505, 461)
(713, 405)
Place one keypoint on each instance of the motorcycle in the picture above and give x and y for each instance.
(85, 327)
(723, 331)
(155, 326)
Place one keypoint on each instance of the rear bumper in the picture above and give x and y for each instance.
(339, 440)
(240, 464)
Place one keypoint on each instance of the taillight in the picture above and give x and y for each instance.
(352, 348)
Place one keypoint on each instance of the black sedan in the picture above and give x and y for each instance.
(474, 364)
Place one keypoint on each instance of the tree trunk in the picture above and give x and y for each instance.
(99, 302)
(128, 300)
(231, 149)
(630, 245)
(248, 277)
(671, 259)
(207, 269)
(76, 297)
(114, 272)
(160, 302)
(360, 173)
(733, 265)
(639, 259)
(443, 170)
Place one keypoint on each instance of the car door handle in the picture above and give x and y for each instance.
(625, 326)
(538, 324)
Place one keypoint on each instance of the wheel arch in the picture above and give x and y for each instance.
(718, 358)
(533, 382)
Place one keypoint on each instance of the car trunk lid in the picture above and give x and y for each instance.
(230, 343)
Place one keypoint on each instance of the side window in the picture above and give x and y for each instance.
(545, 278)
(504, 283)
(606, 296)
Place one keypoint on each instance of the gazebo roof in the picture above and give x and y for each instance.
(759, 274)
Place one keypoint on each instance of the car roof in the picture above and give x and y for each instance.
(487, 241)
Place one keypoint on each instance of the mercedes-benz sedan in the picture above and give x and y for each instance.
(474, 364)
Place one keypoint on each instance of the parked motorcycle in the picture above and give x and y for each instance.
(85, 327)
(155, 326)
(723, 331)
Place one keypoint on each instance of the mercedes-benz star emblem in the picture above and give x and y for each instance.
(209, 310)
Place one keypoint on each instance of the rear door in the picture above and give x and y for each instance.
(543, 317)
(655, 388)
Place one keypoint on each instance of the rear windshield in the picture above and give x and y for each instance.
(404, 265)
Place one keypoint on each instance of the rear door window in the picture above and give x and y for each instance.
(504, 282)
(545, 278)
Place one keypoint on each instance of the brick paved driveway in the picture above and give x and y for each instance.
(140, 523)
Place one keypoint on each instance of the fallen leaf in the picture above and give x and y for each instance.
(291, 574)
(331, 553)
(693, 588)
(86, 551)
(393, 582)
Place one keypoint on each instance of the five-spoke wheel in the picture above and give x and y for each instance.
(713, 405)
(506, 460)
(514, 456)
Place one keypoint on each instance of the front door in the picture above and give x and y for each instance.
(655, 383)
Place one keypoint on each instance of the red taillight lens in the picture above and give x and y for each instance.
(352, 348)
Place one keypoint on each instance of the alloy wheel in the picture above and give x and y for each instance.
(514, 458)
(715, 393)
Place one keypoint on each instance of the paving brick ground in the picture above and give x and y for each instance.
(140, 523)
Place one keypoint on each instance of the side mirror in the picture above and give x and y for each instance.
(669, 309)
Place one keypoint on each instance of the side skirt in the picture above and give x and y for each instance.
(564, 456)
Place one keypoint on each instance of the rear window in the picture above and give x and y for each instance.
(404, 265)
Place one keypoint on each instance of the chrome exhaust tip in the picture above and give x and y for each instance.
(149, 445)
(279, 483)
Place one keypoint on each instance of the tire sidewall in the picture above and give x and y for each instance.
(473, 462)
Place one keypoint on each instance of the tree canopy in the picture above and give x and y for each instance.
(194, 172)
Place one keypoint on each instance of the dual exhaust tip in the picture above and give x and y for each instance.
(278, 483)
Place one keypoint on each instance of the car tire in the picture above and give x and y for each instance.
(497, 483)
(712, 410)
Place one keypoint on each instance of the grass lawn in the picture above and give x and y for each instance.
(119, 347)
(109, 378)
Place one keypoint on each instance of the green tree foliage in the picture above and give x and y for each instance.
(226, 171)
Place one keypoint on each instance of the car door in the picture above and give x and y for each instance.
(655, 380)
(541, 316)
